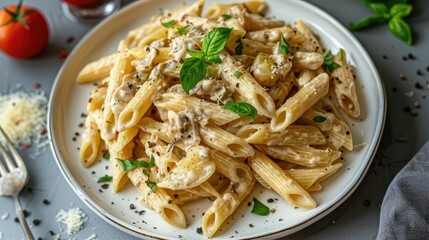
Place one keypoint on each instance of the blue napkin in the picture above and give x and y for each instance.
(405, 208)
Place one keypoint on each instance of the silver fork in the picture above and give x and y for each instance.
(13, 178)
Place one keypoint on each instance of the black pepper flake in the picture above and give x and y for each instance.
(420, 73)
(176, 195)
(404, 58)
(81, 125)
(26, 213)
(132, 206)
(411, 56)
(200, 230)
(280, 219)
(29, 189)
(272, 210)
(394, 89)
(347, 132)
(52, 233)
(427, 69)
(39, 238)
(101, 191)
(74, 139)
(407, 109)
(250, 225)
(46, 201)
(385, 57)
(270, 200)
(249, 204)
(402, 77)
(414, 113)
(366, 203)
(93, 172)
(36, 222)
(16, 220)
(105, 186)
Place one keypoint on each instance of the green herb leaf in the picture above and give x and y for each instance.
(169, 23)
(193, 71)
(226, 16)
(151, 185)
(215, 41)
(239, 48)
(328, 61)
(400, 29)
(104, 179)
(145, 172)
(401, 10)
(106, 155)
(319, 119)
(237, 74)
(367, 22)
(213, 59)
(195, 53)
(379, 9)
(128, 165)
(259, 208)
(182, 30)
(284, 46)
(389, 3)
(241, 108)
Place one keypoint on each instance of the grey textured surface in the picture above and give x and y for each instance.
(357, 218)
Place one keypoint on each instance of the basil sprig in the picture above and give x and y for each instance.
(259, 208)
(194, 69)
(182, 30)
(151, 185)
(104, 179)
(241, 108)
(128, 165)
(328, 61)
(391, 11)
(319, 119)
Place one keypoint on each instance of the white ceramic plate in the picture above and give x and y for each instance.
(68, 101)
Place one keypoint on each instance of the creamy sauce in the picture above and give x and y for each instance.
(183, 126)
(13, 182)
(212, 90)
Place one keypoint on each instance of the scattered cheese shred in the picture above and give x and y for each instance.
(23, 118)
(74, 219)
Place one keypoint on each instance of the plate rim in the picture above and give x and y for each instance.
(56, 151)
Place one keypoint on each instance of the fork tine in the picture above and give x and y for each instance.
(2, 168)
(7, 159)
(12, 149)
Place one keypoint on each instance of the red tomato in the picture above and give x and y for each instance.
(24, 34)
(81, 3)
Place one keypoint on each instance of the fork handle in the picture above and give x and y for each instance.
(20, 214)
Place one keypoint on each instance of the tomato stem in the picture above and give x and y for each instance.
(17, 16)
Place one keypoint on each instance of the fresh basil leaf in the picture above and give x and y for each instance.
(226, 16)
(284, 46)
(388, 3)
(169, 23)
(145, 172)
(182, 30)
(400, 29)
(239, 48)
(328, 61)
(259, 208)
(192, 72)
(379, 9)
(367, 22)
(106, 155)
(319, 119)
(128, 165)
(104, 179)
(213, 59)
(401, 10)
(215, 41)
(195, 53)
(241, 108)
(151, 185)
(237, 74)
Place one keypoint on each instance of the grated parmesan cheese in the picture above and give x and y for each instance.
(23, 118)
(74, 219)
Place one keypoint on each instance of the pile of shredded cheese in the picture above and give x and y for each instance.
(23, 118)
(74, 219)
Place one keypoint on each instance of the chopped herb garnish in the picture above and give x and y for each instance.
(128, 165)
(151, 185)
(241, 108)
(226, 16)
(106, 155)
(284, 46)
(237, 74)
(328, 61)
(104, 179)
(182, 30)
(259, 208)
(239, 48)
(145, 172)
(319, 119)
(194, 69)
(169, 23)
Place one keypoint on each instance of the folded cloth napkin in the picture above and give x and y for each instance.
(405, 208)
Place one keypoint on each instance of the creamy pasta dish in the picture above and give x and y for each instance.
(195, 105)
